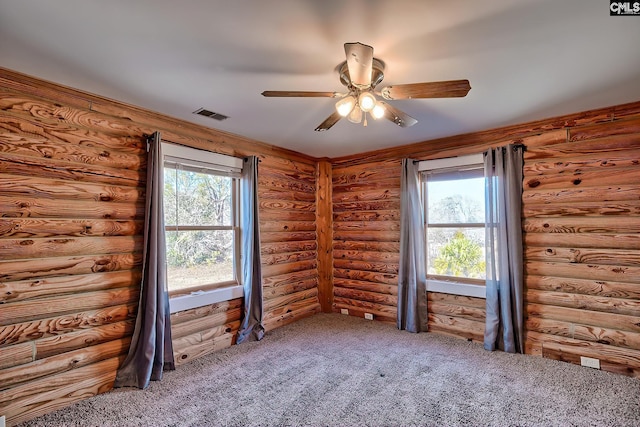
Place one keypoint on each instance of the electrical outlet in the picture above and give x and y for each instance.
(590, 362)
(344, 311)
(368, 316)
(2, 421)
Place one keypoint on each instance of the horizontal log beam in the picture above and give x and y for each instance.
(19, 143)
(273, 248)
(63, 362)
(456, 326)
(186, 354)
(584, 317)
(368, 296)
(204, 311)
(24, 311)
(600, 130)
(345, 245)
(599, 288)
(584, 271)
(67, 323)
(275, 259)
(48, 267)
(287, 318)
(43, 227)
(269, 293)
(576, 224)
(459, 300)
(583, 240)
(367, 276)
(579, 255)
(608, 147)
(357, 255)
(47, 247)
(584, 302)
(457, 311)
(362, 285)
(612, 209)
(290, 267)
(38, 288)
(56, 169)
(205, 323)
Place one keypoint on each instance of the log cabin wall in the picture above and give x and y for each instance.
(72, 173)
(366, 238)
(581, 224)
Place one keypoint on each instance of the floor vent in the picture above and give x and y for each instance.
(210, 114)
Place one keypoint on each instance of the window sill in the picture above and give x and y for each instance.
(456, 288)
(202, 298)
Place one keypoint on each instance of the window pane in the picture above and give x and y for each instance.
(198, 258)
(456, 252)
(170, 196)
(194, 198)
(456, 201)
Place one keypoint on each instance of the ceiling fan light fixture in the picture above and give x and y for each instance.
(378, 111)
(361, 73)
(367, 101)
(345, 105)
(355, 116)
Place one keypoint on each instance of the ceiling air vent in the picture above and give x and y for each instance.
(210, 114)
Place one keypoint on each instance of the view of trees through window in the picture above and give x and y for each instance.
(455, 228)
(198, 210)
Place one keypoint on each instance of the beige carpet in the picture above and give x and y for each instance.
(333, 370)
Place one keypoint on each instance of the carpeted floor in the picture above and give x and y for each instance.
(333, 370)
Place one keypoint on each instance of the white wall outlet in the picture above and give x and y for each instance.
(590, 362)
(368, 316)
(2, 421)
(344, 311)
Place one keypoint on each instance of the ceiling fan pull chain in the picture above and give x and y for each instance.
(365, 119)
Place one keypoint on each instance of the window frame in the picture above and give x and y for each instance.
(191, 159)
(448, 284)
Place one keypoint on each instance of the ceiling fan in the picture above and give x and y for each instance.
(361, 73)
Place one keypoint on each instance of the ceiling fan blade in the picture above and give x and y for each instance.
(360, 63)
(329, 121)
(445, 89)
(301, 94)
(398, 117)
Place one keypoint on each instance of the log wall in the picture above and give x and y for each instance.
(72, 179)
(581, 224)
(366, 238)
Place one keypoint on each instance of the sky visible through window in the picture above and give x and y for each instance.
(472, 188)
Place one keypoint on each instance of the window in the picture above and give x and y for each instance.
(201, 220)
(453, 197)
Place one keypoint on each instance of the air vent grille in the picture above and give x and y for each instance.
(211, 114)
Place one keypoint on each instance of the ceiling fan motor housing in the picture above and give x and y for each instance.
(377, 74)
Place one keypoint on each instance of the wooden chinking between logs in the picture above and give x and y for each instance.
(72, 173)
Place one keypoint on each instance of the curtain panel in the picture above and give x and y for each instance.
(251, 326)
(503, 185)
(412, 287)
(151, 349)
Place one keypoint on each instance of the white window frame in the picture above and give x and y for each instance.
(453, 164)
(218, 164)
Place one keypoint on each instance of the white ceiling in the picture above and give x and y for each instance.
(525, 60)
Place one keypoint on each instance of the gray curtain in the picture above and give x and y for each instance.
(503, 184)
(251, 326)
(412, 292)
(151, 349)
